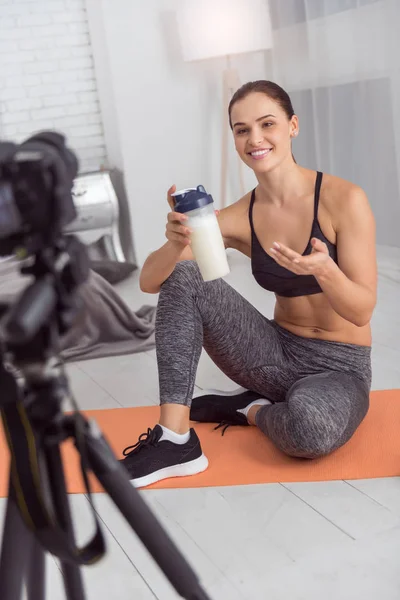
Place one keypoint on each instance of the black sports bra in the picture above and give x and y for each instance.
(275, 278)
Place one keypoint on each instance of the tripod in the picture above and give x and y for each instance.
(38, 517)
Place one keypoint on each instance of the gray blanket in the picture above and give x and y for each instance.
(106, 326)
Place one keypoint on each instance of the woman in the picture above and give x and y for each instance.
(307, 372)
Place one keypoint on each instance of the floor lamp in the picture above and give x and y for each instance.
(222, 28)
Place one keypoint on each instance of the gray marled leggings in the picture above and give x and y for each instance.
(320, 389)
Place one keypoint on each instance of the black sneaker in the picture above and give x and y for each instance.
(152, 459)
(219, 407)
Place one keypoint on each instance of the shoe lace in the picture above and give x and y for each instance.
(149, 438)
(225, 424)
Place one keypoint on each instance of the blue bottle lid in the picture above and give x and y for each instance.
(191, 198)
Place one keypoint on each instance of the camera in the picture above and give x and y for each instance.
(36, 203)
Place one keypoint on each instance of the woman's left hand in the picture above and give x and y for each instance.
(315, 263)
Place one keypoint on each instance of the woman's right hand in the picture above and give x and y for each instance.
(177, 231)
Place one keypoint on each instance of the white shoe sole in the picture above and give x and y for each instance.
(190, 468)
(236, 392)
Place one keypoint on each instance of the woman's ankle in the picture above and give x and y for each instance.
(175, 417)
(251, 415)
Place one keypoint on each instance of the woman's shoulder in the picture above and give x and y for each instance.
(341, 196)
(338, 189)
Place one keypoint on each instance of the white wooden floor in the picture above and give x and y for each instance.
(331, 540)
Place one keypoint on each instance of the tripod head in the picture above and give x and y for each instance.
(30, 329)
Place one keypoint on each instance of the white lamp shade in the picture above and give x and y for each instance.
(210, 28)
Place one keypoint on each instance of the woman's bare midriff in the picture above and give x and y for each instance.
(313, 317)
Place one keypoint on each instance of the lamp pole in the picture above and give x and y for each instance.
(230, 83)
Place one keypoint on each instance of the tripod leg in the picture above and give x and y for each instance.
(16, 546)
(73, 582)
(114, 480)
(36, 581)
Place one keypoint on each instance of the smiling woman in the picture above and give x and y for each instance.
(281, 98)
(306, 372)
(296, 202)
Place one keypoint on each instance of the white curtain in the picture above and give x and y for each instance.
(340, 62)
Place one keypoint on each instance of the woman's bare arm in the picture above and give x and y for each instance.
(351, 287)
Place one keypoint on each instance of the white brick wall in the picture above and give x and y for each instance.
(47, 78)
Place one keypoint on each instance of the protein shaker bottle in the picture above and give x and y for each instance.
(207, 243)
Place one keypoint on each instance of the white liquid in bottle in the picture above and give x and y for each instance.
(208, 245)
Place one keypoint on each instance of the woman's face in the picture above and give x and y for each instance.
(262, 132)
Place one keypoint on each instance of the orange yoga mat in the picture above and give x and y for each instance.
(245, 456)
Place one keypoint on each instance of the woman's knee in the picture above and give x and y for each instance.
(305, 444)
(310, 449)
(185, 275)
(307, 434)
(321, 414)
(185, 281)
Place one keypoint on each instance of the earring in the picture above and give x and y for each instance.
(295, 133)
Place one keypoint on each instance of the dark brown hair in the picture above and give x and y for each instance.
(270, 89)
